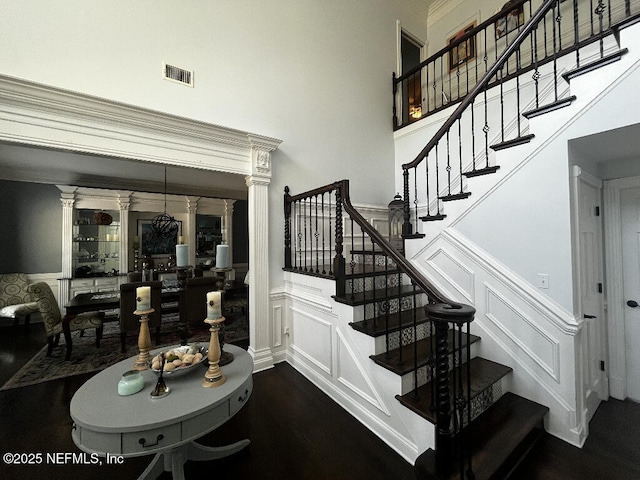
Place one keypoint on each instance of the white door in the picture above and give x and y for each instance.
(630, 218)
(593, 339)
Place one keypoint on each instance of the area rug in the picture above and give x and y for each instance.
(86, 358)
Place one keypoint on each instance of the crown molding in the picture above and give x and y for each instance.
(43, 116)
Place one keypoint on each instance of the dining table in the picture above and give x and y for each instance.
(102, 301)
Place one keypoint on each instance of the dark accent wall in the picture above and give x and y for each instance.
(31, 226)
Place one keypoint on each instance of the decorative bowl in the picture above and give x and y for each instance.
(180, 351)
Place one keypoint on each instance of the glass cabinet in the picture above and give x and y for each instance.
(95, 243)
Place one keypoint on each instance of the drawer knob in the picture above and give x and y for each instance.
(144, 443)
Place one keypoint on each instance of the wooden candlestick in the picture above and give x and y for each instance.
(214, 376)
(144, 340)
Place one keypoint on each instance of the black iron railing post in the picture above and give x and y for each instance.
(287, 228)
(339, 265)
(446, 458)
(407, 228)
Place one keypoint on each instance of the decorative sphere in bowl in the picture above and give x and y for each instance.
(179, 359)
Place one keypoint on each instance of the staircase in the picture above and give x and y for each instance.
(506, 425)
(420, 339)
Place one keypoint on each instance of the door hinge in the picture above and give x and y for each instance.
(597, 211)
(602, 365)
(599, 288)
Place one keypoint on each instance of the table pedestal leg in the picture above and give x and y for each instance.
(173, 460)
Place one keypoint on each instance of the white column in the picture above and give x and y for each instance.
(123, 204)
(67, 198)
(227, 233)
(191, 227)
(259, 305)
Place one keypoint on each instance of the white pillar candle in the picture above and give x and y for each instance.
(143, 298)
(214, 305)
(182, 255)
(222, 256)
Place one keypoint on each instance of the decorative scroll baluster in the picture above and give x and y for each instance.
(324, 271)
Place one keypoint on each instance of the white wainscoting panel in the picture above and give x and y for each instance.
(518, 325)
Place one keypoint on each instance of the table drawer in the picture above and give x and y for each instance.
(240, 398)
(151, 440)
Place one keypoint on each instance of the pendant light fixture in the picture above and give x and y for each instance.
(164, 225)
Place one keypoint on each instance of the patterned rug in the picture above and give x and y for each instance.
(86, 358)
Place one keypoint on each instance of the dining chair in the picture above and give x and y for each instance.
(130, 322)
(195, 305)
(50, 311)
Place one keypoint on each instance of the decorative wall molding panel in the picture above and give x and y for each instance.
(324, 348)
(518, 325)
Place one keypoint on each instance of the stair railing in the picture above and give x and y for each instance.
(446, 78)
(323, 235)
(461, 147)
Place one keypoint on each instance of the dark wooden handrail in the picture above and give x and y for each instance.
(479, 87)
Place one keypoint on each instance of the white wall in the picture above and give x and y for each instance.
(316, 74)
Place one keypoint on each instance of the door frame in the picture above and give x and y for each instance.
(614, 291)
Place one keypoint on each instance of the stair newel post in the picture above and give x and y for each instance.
(444, 435)
(287, 228)
(441, 315)
(407, 228)
(339, 265)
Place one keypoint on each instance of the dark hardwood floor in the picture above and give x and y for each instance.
(296, 432)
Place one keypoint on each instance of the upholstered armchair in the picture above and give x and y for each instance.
(129, 322)
(50, 311)
(15, 300)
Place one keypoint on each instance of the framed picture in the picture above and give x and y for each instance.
(463, 51)
(511, 21)
(150, 244)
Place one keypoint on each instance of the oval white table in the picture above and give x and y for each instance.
(135, 425)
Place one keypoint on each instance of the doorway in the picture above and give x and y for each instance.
(411, 51)
(622, 224)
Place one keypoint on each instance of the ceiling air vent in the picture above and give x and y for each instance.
(177, 74)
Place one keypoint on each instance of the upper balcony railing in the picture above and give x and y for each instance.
(447, 76)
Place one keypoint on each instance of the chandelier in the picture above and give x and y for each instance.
(164, 225)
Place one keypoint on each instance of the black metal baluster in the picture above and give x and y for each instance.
(324, 270)
(448, 165)
(460, 150)
(437, 179)
(600, 9)
(501, 105)
(317, 237)
(486, 128)
(576, 31)
(352, 263)
(518, 116)
(555, 56)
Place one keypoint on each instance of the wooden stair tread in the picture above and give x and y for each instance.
(484, 373)
(391, 361)
(378, 295)
(500, 437)
(396, 321)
